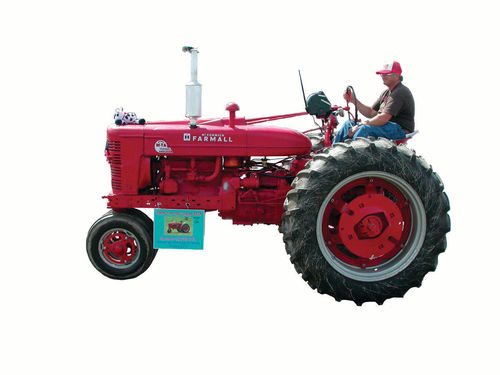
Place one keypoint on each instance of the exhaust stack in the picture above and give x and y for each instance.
(193, 89)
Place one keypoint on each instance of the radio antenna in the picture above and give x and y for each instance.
(303, 93)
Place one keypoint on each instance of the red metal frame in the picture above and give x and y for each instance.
(259, 120)
(171, 165)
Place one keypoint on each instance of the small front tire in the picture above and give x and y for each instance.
(120, 245)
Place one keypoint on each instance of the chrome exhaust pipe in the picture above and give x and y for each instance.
(193, 89)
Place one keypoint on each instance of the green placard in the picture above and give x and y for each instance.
(179, 229)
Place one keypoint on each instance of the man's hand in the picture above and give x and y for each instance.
(353, 130)
(365, 110)
(348, 96)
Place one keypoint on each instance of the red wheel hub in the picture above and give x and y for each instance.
(119, 247)
(366, 222)
(371, 226)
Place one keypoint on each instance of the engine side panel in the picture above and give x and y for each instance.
(216, 138)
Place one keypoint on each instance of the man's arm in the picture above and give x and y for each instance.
(365, 110)
(379, 120)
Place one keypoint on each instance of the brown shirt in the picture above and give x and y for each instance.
(398, 103)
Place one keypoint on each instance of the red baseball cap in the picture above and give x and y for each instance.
(391, 67)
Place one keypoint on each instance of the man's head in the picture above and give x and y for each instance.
(391, 74)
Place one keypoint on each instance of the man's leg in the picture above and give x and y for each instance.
(343, 133)
(391, 130)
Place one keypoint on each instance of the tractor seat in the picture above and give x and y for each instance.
(407, 138)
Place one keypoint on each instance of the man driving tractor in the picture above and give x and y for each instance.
(392, 114)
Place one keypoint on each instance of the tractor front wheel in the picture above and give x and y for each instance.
(365, 221)
(120, 244)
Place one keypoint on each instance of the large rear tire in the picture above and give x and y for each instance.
(317, 142)
(365, 221)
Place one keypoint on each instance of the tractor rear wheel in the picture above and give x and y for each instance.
(120, 245)
(317, 142)
(365, 221)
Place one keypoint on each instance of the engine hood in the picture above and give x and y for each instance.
(214, 137)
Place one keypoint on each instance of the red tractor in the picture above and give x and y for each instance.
(363, 220)
(181, 227)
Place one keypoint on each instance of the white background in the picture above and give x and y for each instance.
(237, 307)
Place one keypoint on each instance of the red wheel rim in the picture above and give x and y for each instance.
(118, 247)
(366, 222)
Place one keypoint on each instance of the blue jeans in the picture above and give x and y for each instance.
(391, 130)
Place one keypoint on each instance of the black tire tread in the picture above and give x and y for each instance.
(130, 220)
(148, 224)
(323, 172)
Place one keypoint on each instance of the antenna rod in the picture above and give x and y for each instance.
(303, 93)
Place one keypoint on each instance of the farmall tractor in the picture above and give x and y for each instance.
(363, 220)
(180, 227)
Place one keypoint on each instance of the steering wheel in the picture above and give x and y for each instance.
(351, 89)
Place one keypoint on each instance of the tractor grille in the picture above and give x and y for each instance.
(115, 161)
